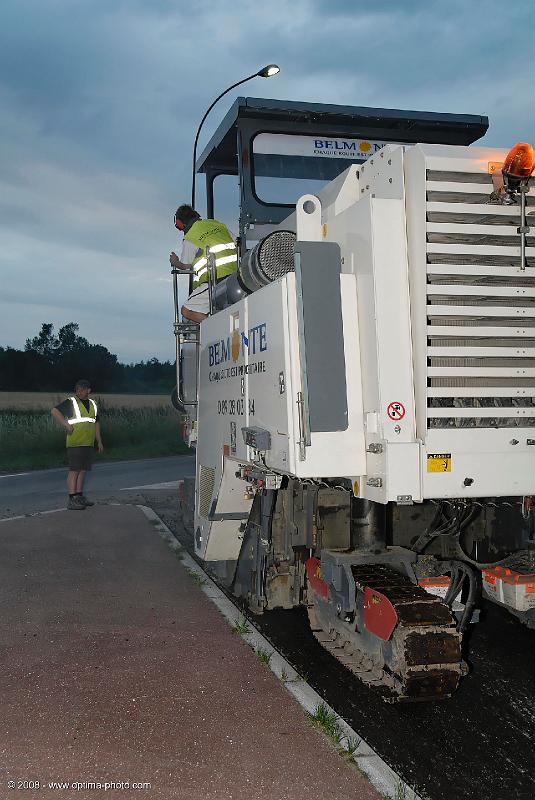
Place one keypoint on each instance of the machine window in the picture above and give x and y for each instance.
(286, 166)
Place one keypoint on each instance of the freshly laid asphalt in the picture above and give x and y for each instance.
(116, 667)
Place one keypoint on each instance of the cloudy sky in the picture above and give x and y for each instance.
(100, 100)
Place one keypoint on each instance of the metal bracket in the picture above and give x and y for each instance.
(301, 419)
(375, 482)
(375, 448)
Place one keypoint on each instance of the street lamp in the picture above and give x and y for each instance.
(266, 72)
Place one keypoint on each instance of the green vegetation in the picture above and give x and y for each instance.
(241, 627)
(196, 576)
(264, 655)
(285, 678)
(401, 793)
(32, 439)
(327, 721)
(352, 745)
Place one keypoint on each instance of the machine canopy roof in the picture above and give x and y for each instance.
(285, 116)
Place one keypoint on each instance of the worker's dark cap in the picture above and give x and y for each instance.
(186, 214)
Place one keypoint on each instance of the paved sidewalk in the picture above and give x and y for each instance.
(115, 667)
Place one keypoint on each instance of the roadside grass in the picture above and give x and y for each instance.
(43, 401)
(401, 793)
(196, 577)
(264, 655)
(327, 721)
(241, 627)
(31, 439)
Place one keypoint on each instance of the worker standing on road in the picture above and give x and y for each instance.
(200, 234)
(79, 416)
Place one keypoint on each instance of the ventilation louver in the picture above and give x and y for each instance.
(206, 489)
(480, 306)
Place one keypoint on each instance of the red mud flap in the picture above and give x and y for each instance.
(315, 581)
(380, 617)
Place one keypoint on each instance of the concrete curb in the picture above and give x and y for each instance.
(380, 775)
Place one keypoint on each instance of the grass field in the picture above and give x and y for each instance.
(37, 401)
(133, 426)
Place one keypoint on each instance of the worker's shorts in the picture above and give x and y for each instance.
(80, 458)
(198, 300)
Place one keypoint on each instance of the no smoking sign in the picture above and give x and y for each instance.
(396, 411)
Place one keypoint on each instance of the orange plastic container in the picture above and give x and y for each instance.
(438, 585)
(514, 589)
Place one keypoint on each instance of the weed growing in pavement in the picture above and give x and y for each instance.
(327, 721)
(401, 792)
(297, 679)
(352, 745)
(264, 655)
(199, 580)
(241, 627)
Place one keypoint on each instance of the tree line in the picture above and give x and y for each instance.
(51, 362)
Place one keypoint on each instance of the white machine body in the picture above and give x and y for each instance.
(424, 388)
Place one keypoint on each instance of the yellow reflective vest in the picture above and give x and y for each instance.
(212, 234)
(83, 423)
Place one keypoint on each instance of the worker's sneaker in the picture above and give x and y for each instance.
(85, 501)
(75, 504)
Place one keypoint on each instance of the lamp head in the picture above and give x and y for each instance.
(518, 165)
(268, 71)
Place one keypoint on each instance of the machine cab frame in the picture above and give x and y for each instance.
(349, 135)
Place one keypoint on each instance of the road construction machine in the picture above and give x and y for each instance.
(361, 396)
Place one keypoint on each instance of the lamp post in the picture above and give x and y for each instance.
(265, 72)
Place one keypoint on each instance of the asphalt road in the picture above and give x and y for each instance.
(478, 745)
(44, 490)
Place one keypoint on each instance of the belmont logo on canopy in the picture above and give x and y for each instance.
(335, 147)
(346, 148)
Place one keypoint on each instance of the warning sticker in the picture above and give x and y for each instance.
(440, 462)
(396, 411)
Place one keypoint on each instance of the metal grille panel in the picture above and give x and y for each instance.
(206, 489)
(480, 307)
(276, 254)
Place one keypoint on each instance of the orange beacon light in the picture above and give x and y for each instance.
(516, 171)
(519, 161)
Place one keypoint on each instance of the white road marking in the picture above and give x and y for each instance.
(33, 514)
(15, 475)
(168, 485)
(369, 762)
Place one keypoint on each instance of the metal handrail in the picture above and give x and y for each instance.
(182, 329)
(212, 278)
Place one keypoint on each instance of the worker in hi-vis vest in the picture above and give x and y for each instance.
(200, 234)
(79, 416)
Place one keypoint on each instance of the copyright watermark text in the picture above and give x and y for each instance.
(77, 786)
